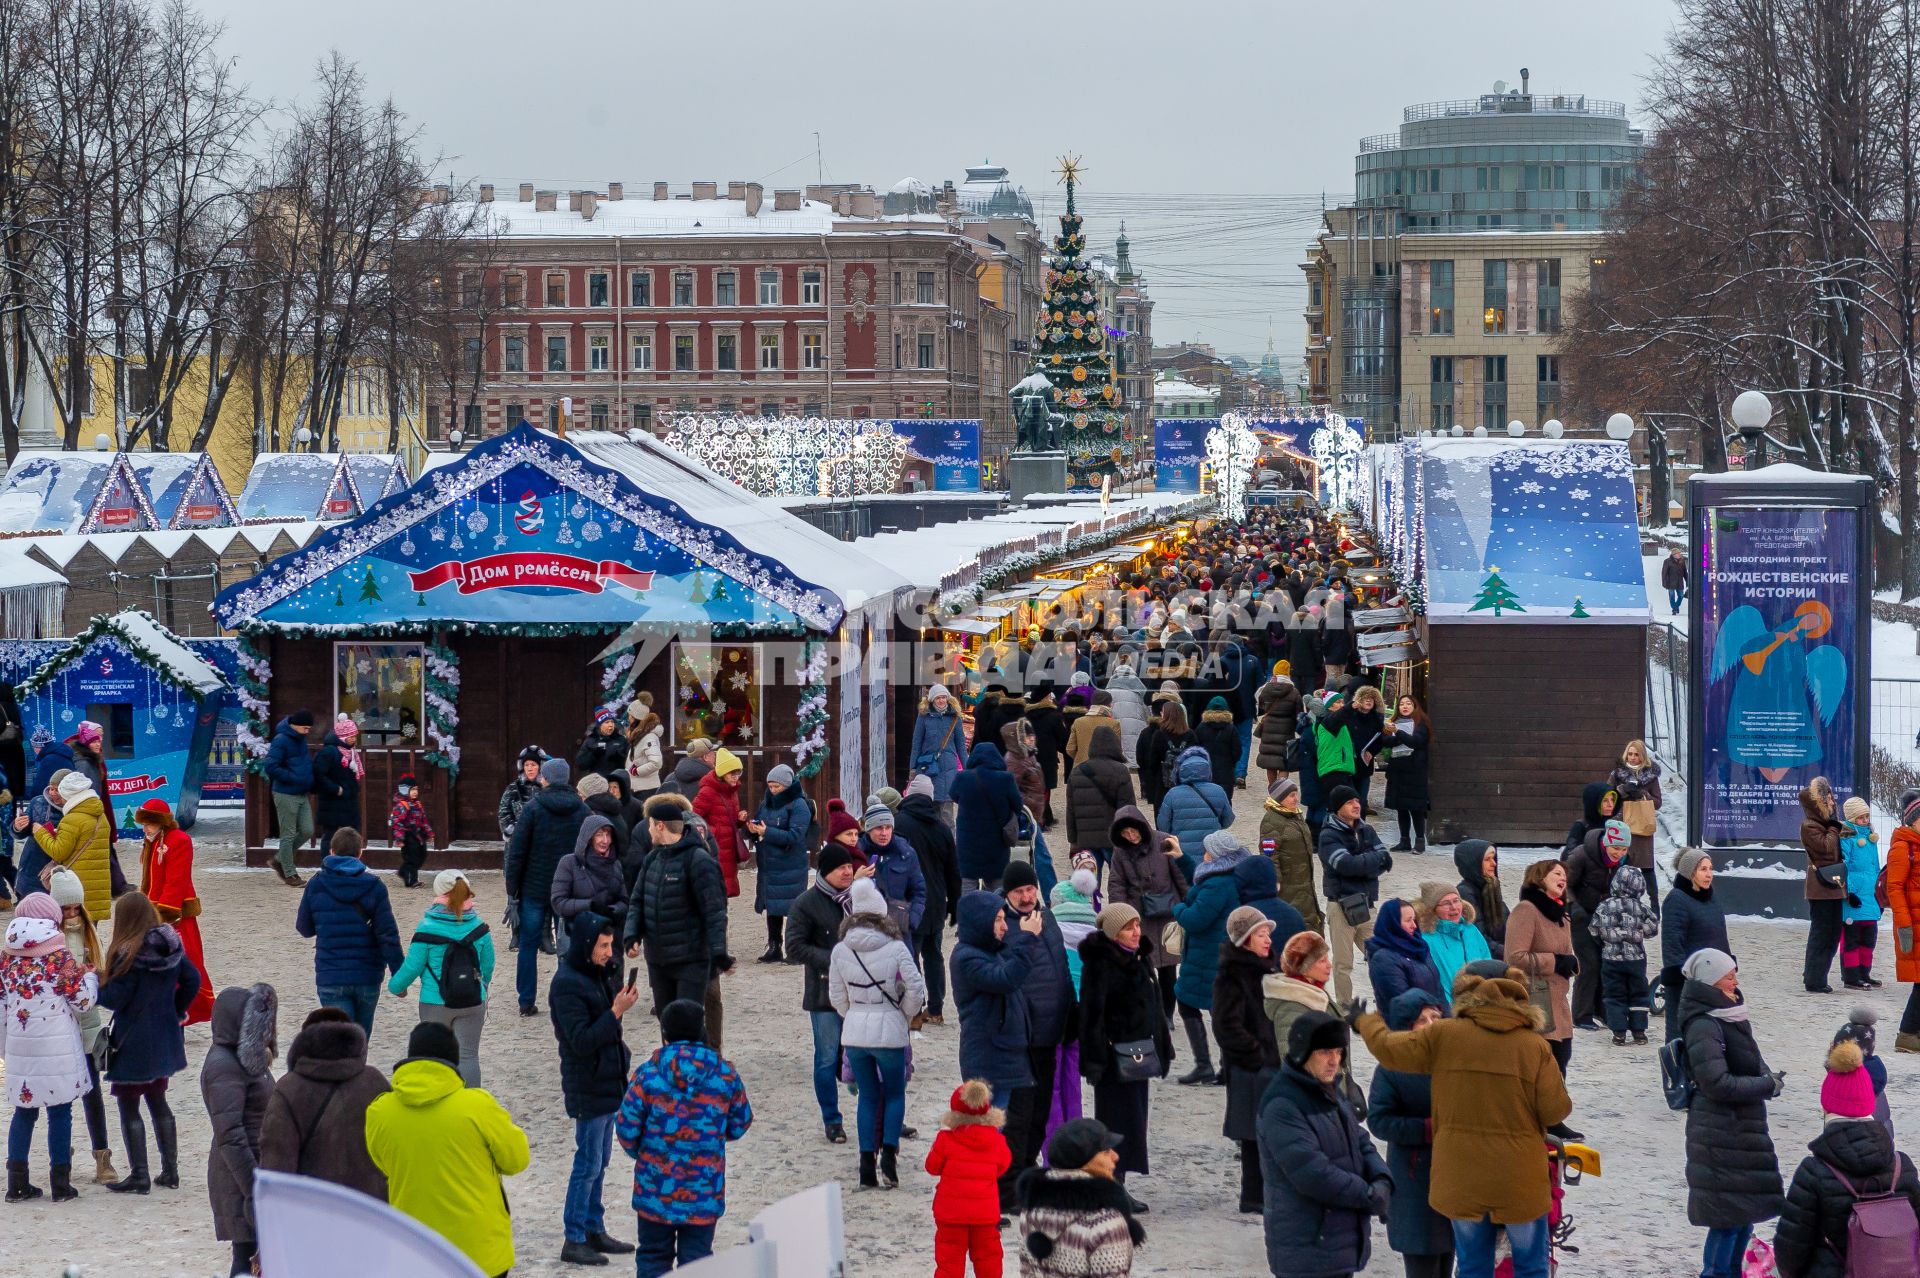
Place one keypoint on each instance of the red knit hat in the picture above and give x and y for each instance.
(1848, 1089)
(839, 820)
(974, 1105)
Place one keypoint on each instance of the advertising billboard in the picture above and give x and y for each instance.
(1179, 446)
(950, 445)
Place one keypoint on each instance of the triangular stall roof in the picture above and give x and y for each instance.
(528, 533)
(1519, 531)
(154, 644)
(301, 486)
(186, 489)
(51, 491)
(377, 475)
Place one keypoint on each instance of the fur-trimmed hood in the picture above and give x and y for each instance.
(245, 1020)
(328, 1051)
(1045, 1189)
(1216, 716)
(1495, 1003)
(880, 923)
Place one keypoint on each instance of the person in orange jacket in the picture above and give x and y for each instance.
(968, 1157)
(166, 877)
(1903, 894)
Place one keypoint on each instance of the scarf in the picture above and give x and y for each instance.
(1493, 905)
(350, 760)
(842, 899)
(1388, 935)
(1735, 1012)
(1685, 885)
(1554, 911)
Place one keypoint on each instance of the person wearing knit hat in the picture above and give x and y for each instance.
(1354, 859)
(1244, 923)
(1709, 967)
(780, 828)
(843, 827)
(886, 795)
(590, 784)
(922, 785)
(718, 801)
(939, 741)
(1169, 690)
(1203, 917)
(876, 816)
(1860, 912)
(968, 1157)
(1125, 1040)
(604, 748)
(82, 841)
(812, 930)
(1859, 1030)
(1288, 840)
(894, 867)
(1072, 907)
(1113, 919)
(42, 998)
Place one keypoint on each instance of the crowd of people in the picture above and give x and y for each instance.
(1063, 871)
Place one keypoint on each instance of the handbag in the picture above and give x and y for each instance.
(1831, 876)
(1153, 904)
(1355, 908)
(1173, 940)
(1137, 1060)
(1540, 994)
(1639, 816)
(924, 763)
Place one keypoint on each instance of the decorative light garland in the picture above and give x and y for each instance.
(810, 748)
(442, 695)
(1232, 448)
(795, 456)
(1336, 448)
(253, 731)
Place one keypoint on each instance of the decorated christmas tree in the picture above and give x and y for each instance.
(1496, 594)
(1071, 346)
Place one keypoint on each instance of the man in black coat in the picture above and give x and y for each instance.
(813, 929)
(678, 911)
(587, 1002)
(548, 828)
(1352, 859)
(917, 820)
(1053, 1017)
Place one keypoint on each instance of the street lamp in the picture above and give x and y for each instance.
(102, 441)
(1752, 410)
(1620, 426)
(303, 437)
(1516, 428)
(454, 437)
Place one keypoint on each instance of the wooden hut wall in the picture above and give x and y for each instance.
(1524, 717)
(186, 590)
(93, 588)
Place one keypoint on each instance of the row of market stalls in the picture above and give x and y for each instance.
(1518, 569)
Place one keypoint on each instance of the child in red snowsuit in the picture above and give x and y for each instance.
(411, 829)
(968, 1157)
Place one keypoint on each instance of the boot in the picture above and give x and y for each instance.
(18, 1190)
(607, 1245)
(890, 1166)
(103, 1172)
(1252, 1184)
(869, 1173)
(1202, 1071)
(579, 1253)
(168, 1136)
(63, 1190)
(1906, 1043)
(133, 1129)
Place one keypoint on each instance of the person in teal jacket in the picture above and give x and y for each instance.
(451, 917)
(1203, 916)
(1860, 918)
(1452, 939)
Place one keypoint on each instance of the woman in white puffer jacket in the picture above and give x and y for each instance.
(874, 985)
(645, 756)
(1129, 701)
(43, 991)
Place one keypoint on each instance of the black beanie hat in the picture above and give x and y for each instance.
(432, 1041)
(1340, 797)
(683, 1021)
(831, 858)
(1314, 1032)
(301, 718)
(1018, 874)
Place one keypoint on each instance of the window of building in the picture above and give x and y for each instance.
(640, 288)
(896, 288)
(476, 353)
(810, 288)
(1440, 292)
(1443, 410)
(683, 352)
(1547, 372)
(470, 289)
(926, 350)
(513, 289)
(381, 687)
(597, 416)
(810, 409)
(599, 348)
(553, 415)
(556, 288)
(1313, 294)
(726, 288)
(1494, 296)
(923, 287)
(1548, 272)
(642, 351)
(643, 416)
(1441, 368)
(726, 352)
(770, 350)
(769, 288)
(899, 351)
(597, 288)
(513, 355)
(556, 354)
(813, 351)
(769, 409)
(683, 288)
(513, 414)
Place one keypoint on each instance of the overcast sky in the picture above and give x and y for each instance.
(1212, 127)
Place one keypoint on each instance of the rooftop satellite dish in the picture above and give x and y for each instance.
(1499, 86)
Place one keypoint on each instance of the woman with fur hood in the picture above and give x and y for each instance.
(939, 741)
(316, 1119)
(1076, 1219)
(874, 986)
(235, 1085)
(149, 986)
(43, 993)
(1288, 841)
(1221, 739)
(1017, 752)
(1098, 715)
(1278, 703)
(646, 755)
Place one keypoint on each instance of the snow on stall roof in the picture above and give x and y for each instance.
(186, 665)
(377, 474)
(760, 525)
(931, 554)
(288, 485)
(50, 490)
(434, 461)
(1779, 473)
(677, 218)
(18, 569)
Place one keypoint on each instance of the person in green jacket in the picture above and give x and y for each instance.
(1333, 746)
(1453, 941)
(452, 917)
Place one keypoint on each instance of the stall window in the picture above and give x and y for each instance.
(116, 728)
(717, 686)
(380, 687)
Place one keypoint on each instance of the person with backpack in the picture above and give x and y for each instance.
(344, 908)
(1193, 807)
(587, 1003)
(1853, 1209)
(452, 956)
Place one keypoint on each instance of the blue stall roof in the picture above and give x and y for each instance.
(186, 489)
(377, 475)
(302, 486)
(51, 491)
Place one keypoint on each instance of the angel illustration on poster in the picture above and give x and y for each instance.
(1785, 689)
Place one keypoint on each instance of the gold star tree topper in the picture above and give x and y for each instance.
(1070, 169)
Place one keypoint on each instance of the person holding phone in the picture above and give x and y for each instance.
(586, 1003)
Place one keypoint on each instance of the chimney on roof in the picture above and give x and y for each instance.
(752, 194)
(440, 193)
(659, 190)
(1525, 76)
(589, 204)
(736, 190)
(842, 203)
(706, 190)
(486, 192)
(820, 194)
(573, 201)
(616, 191)
(526, 192)
(786, 201)
(866, 204)
(545, 201)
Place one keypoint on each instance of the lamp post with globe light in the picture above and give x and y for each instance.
(1752, 410)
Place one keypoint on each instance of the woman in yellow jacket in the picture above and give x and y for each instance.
(444, 1147)
(83, 843)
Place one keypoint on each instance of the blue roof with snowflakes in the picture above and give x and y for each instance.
(302, 486)
(51, 491)
(525, 531)
(186, 489)
(1530, 531)
(377, 475)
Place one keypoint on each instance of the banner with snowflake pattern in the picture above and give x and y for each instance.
(950, 445)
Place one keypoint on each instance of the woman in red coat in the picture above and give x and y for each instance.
(166, 877)
(717, 802)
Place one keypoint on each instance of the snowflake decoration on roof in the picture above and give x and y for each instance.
(1578, 494)
(1567, 460)
(1531, 487)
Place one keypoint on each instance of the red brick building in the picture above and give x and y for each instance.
(711, 301)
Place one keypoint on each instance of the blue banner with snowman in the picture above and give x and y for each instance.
(950, 445)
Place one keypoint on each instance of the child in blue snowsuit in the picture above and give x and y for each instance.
(1860, 920)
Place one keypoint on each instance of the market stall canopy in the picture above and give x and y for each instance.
(186, 490)
(377, 475)
(302, 486)
(530, 533)
(49, 491)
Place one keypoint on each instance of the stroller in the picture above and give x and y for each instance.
(1567, 1164)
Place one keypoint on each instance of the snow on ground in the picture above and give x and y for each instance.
(1632, 1220)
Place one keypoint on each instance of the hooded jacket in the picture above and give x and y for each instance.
(41, 999)
(1400, 1114)
(336, 785)
(427, 959)
(586, 881)
(918, 822)
(678, 909)
(593, 1055)
(686, 776)
(782, 854)
(1129, 706)
(685, 1104)
(1279, 704)
(1120, 1003)
(289, 764)
(1812, 1238)
(1320, 1169)
(444, 1147)
(1397, 962)
(147, 1002)
(546, 832)
(1080, 737)
(1481, 893)
(235, 1085)
(1590, 814)
(1733, 1179)
(1144, 876)
(966, 1162)
(938, 740)
(1049, 738)
(1496, 1090)
(1220, 738)
(989, 994)
(1903, 896)
(1203, 916)
(873, 983)
(316, 1119)
(1074, 1224)
(1820, 836)
(83, 843)
(1259, 886)
(645, 757)
(1021, 763)
(986, 798)
(1194, 808)
(345, 909)
(1625, 921)
(1098, 787)
(1452, 945)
